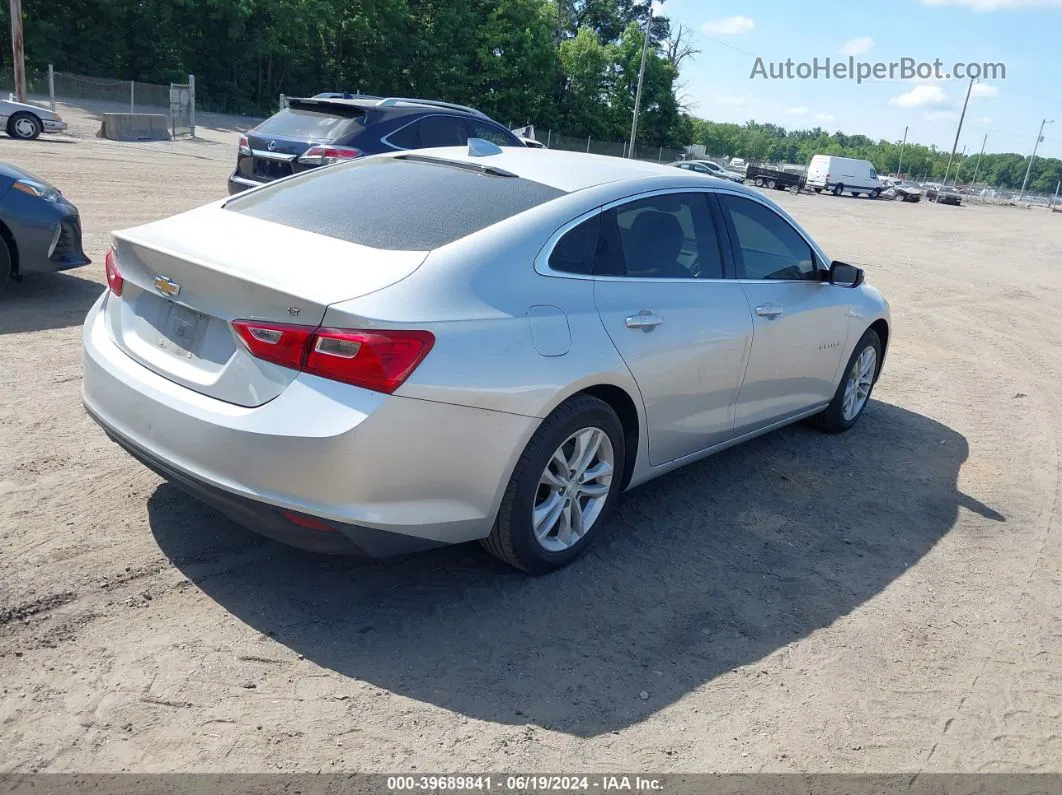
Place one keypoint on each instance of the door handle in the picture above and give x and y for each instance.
(768, 310)
(644, 319)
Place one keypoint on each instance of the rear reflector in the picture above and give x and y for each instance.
(325, 155)
(380, 360)
(114, 278)
(308, 522)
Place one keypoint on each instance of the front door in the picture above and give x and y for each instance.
(801, 322)
(683, 330)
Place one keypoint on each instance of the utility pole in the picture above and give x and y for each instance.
(958, 166)
(899, 170)
(641, 77)
(978, 166)
(955, 145)
(18, 51)
(1028, 171)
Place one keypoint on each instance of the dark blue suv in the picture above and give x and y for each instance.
(321, 130)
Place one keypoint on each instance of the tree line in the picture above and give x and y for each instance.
(568, 65)
(771, 143)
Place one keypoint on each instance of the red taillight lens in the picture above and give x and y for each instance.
(245, 146)
(325, 155)
(279, 343)
(379, 360)
(114, 278)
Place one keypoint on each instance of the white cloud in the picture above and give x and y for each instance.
(796, 111)
(984, 90)
(924, 96)
(995, 5)
(857, 46)
(730, 100)
(940, 115)
(728, 26)
(825, 117)
(983, 119)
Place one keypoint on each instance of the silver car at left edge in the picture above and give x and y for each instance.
(418, 349)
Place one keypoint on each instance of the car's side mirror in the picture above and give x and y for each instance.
(844, 275)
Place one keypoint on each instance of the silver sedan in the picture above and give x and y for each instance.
(428, 348)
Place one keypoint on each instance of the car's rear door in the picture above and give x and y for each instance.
(682, 328)
(801, 322)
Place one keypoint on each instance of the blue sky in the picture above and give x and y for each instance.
(1025, 35)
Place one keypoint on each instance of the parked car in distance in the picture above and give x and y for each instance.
(26, 122)
(335, 361)
(738, 164)
(774, 179)
(840, 175)
(320, 131)
(903, 192)
(531, 143)
(944, 194)
(40, 230)
(710, 168)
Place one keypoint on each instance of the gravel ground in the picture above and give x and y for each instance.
(889, 599)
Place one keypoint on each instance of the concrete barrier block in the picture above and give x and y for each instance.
(135, 127)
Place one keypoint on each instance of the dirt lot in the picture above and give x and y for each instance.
(890, 599)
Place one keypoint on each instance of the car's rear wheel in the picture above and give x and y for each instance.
(24, 126)
(563, 486)
(875, 193)
(794, 189)
(853, 393)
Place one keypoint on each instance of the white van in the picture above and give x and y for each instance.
(843, 175)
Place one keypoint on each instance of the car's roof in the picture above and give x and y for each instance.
(574, 171)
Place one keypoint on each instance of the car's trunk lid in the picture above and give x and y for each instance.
(187, 277)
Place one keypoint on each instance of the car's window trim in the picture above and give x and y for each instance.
(542, 258)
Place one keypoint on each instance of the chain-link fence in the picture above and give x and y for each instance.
(656, 154)
(176, 101)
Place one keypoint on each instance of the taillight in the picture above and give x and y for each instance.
(379, 360)
(326, 155)
(279, 343)
(114, 277)
(245, 146)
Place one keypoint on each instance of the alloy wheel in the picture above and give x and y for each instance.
(573, 489)
(860, 380)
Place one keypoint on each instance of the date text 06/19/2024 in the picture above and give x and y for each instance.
(522, 783)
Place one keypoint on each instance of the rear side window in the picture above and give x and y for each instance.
(575, 251)
(442, 131)
(311, 125)
(488, 132)
(391, 203)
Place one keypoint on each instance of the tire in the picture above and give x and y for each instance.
(818, 190)
(875, 193)
(770, 184)
(758, 182)
(794, 189)
(513, 538)
(838, 189)
(833, 418)
(899, 198)
(24, 126)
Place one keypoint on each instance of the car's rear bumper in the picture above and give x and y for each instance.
(367, 464)
(238, 184)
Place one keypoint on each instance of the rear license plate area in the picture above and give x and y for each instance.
(180, 330)
(271, 169)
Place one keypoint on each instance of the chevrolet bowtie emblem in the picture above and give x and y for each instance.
(167, 286)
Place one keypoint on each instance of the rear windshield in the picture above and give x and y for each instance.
(311, 125)
(392, 203)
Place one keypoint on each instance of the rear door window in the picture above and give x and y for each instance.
(489, 132)
(311, 125)
(393, 203)
(442, 131)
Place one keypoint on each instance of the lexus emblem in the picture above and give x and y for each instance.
(272, 146)
(167, 286)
